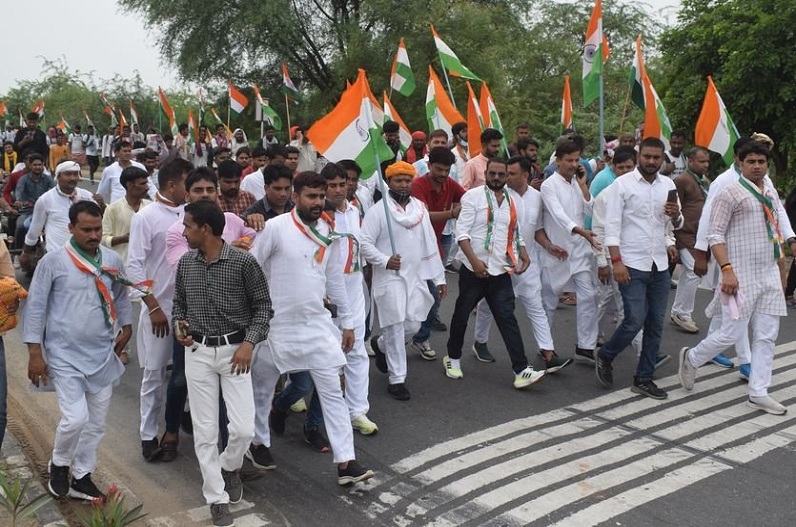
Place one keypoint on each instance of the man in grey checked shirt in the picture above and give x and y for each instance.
(219, 337)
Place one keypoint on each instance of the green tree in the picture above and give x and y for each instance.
(746, 45)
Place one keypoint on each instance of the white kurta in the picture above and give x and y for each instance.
(110, 187)
(565, 209)
(146, 259)
(303, 335)
(402, 295)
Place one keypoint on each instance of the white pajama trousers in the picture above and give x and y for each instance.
(393, 343)
(610, 303)
(80, 429)
(586, 308)
(357, 373)
(152, 384)
(265, 375)
(336, 418)
(765, 329)
(207, 372)
(687, 286)
(528, 290)
(742, 348)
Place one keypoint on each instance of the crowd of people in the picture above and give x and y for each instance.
(210, 237)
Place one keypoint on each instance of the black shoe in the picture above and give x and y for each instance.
(168, 449)
(276, 421)
(186, 423)
(605, 373)
(232, 485)
(438, 325)
(221, 515)
(151, 449)
(584, 356)
(59, 481)
(315, 438)
(353, 473)
(398, 391)
(261, 457)
(555, 363)
(381, 359)
(648, 389)
(84, 489)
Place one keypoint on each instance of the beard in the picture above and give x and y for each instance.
(495, 185)
(309, 215)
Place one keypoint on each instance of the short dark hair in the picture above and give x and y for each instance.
(524, 162)
(32, 116)
(151, 154)
(497, 160)
(174, 170)
(523, 126)
(308, 179)
(524, 142)
(458, 127)
(273, 172)
(332, 171)
(220, 150)
(290, 150)
(350, 164)
(35, 156)
(201, 174)
(678, 133)
(623, 153)
(183, 126)
(695, 150)
(168, 137)
(121, 144)
(132, 173)
(490, 134)
(243, 150)
(566, 147)
(579, 140)
(753, 147)
(268, 128)
(441, 155)
(88, 207)
(204, 212)
(229, 169)
(259, 151)
(651, 142)
(438, 133)
(390, 127)
(740, 143)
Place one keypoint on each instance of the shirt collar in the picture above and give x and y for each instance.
(638, 177)
(225, 254)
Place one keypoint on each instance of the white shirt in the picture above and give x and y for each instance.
(110, 187)
(254, 184)
(472, 225)
(76, 143)
(51, 213)
(92, 145)
(679, 164)
(635, 222)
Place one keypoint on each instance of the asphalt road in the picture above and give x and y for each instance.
(478, 452)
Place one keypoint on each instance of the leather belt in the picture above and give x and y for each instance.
(219, 340)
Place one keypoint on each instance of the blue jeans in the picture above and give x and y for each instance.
(424, 333)
(3, 392)
(300, 385)
(645, 299)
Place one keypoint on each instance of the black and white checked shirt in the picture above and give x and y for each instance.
(224, 296)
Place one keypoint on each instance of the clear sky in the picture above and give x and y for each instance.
(96, 36)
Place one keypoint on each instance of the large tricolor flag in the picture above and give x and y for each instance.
(288, 88)
(637, 74)
(489, 111)
(168, 111)
(566, 106)
(475, 122)
(64, 126)
(449, 59)
(133, 114)
(237, 101)
(440, 112)
(715, 129)
(402, 79)
(349, 131)
(595, 53)
(404, 135)
(656, 123)
(38, 107)
(268, 112)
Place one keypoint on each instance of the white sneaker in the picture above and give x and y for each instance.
(686, 373)
(767, 404)
(365, 426)
(425, 350)
(527, 377)
(686, 324)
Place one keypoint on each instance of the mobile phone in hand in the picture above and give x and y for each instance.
(672, 197)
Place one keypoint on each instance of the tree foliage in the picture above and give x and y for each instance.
(747, 46)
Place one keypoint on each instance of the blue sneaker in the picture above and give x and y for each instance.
(722, 361)
(744, 371)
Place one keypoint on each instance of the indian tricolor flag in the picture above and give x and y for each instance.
(193, 130)
(475, 122)
(350, 132)
(656, 123)
(268, 113)
(402, 79)
(220, 121)
(440, 112)
(168, 112)
(595, 53)
(715, 129)
(404, 135)
(288, 88)
(39, 109)
(237, 101)
(88, 119)
(566, 106)
(133, 114)
(449, 59)
(64, 126)
(122, 120)
(637, 73)
(3, 108)
(489, 111)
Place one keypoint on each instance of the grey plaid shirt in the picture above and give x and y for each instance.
(223, 296)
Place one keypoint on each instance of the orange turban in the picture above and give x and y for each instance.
(400, 168)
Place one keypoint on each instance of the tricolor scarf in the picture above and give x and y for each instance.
(513, 241)
(352, 261)
(355, 202)
(86, 264)
(772, 225)
(703, 184)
